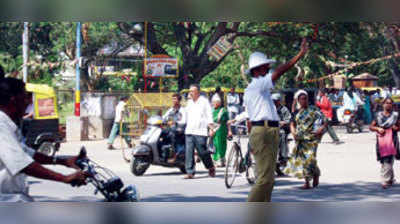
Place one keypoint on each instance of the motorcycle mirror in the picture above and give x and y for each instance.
(82, 153)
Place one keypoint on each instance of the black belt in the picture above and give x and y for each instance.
(274, 124)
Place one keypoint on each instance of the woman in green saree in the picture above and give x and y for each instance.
(220, 132)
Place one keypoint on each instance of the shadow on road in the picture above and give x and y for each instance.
(178, 173)
(337, 192)
(68, 199)
(182, 198)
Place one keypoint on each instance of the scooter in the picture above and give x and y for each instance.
(353, 120)
(155, 149)
(106, 182)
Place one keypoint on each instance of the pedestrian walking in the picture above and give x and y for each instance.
(220, 132)
(325, 106)
(367, 108)
(119, 110)
(264, 133)
(233, 101)
(284, 121)
(219, 93)
(198, 120)
(386, 125)
(307, 128)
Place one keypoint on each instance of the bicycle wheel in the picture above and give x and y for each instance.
(232, 166)
(251, 174)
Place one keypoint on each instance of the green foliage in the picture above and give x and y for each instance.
(333, 42)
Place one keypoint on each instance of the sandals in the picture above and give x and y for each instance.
(306, 186)
(188, 176)
(211, 172)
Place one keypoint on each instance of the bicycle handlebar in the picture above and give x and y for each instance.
(239, 126)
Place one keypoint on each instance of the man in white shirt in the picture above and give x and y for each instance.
(176, 118)
(264, 134)
(395, 91)
(198, 120)
(119, 110)
(233, 102)
(386, 93)
(16, 159)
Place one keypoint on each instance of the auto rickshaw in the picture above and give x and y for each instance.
(41, 132)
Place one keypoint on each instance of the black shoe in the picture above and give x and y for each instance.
(110, 147)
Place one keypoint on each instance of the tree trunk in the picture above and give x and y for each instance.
(394, 68)
(85, 82)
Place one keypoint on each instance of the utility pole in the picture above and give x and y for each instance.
(78, 59)
(25, 51)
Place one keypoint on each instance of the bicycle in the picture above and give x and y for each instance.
(238, 164)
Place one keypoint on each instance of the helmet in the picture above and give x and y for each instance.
(276, 96)
(257, 59)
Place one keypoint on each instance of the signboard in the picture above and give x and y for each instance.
(45, 108)
(220, 48)
(161, 66)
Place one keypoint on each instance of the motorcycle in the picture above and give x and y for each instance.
(353, 120)
(106, 182)
(155, 148)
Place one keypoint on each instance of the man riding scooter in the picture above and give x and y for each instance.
(176, 118)
(350, 108)
(285, 117)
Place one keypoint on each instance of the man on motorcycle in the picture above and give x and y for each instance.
(16, 159)
(176, 118)
(351, 101)
(285, 117)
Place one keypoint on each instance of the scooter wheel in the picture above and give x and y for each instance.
(46, 148)
(139, 166)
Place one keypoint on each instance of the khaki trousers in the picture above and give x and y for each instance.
(264, 142)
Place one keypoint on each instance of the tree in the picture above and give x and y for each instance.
(334, 47)
(190, 41)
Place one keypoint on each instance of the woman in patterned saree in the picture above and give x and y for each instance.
(386, 125)
(307, 127)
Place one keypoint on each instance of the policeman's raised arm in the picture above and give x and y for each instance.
(280, 70)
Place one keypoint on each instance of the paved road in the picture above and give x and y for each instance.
(350, 172)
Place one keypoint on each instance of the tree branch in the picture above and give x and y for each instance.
(152, 44)
(179, 30)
